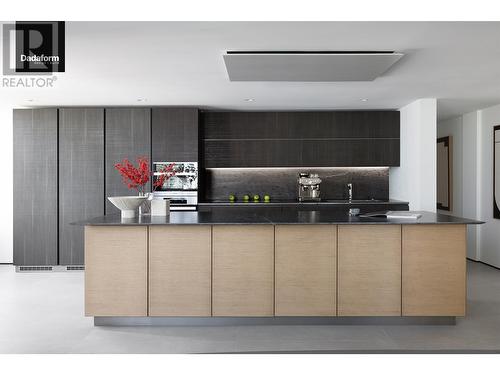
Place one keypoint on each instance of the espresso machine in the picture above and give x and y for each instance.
(309, 187)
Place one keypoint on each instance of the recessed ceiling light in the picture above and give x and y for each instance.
(249, 99)
(141, 99)
(364, 100)
(30, 100)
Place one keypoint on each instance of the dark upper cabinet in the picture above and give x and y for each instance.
(301, 139)
(239, 125)
(300, 125)
(174, 134)
(128, 136)
(35, 186)
(81, 177)
(341, 124)
(302, 153)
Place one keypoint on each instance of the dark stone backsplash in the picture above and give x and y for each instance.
(281, 183)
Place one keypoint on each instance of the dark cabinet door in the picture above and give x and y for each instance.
(81, 177)
(128, 136)
(240, 125)
(339, 124)
(35, 186)
(353, 152)
(302, 153)
(174, 134)
(253, 153)
(300, 125)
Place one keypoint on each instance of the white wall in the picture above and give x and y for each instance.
(415, 179)
(490, 231)
(454, 128)
(464, 131)
(470, 182)
(6, 185)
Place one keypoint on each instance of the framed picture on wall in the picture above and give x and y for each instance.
(496, 172)
(444, 173)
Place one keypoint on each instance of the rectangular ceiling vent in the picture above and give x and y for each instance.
(308, 66)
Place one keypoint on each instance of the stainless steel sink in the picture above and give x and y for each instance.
(354, 201)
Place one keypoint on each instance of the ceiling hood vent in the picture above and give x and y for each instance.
(308, 66)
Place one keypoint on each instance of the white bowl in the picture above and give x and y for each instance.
(127, 205)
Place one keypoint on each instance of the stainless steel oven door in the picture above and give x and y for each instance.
(179, 200)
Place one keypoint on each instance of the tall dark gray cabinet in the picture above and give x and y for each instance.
(128, 135)
(174, 134)
(81, 175)
(35, 186)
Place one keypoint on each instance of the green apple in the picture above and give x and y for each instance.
(267, 198)
(256, 197)
(246, 198)
(232, 197)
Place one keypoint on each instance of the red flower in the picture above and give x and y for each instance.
(134, 178)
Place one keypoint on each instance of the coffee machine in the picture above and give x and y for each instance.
(309, 187)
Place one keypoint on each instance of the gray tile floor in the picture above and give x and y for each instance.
(43, 313)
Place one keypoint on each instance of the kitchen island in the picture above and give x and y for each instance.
(274, 263)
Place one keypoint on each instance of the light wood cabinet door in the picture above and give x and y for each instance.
(243, 270)
(369, 270)
(180, 272)
(116, 270)
(434, 270)
(305, 270)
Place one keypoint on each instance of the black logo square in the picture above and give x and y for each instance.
(39, 47)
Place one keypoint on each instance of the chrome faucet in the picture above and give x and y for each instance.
(349, 191)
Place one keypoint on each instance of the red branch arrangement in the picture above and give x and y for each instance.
(137, 177)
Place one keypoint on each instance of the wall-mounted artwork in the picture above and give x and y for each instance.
(444, 173)
(496, 172)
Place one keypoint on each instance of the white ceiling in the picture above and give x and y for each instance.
(181, 63)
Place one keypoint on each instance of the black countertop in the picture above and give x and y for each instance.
(291, 216)
(283, 203)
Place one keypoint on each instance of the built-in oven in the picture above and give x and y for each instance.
(182, 188)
